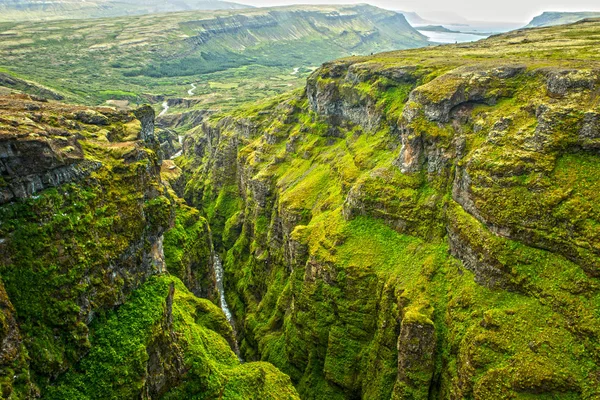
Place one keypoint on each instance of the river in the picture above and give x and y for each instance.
(220, 276)
(165, 106)
(452, 37)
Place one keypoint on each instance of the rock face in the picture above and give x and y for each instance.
(145, 114)
(185, 119)
(166, 364)
(88, 305)
(416, 225)
(13, 362)
(416, 363)
(47, 145)
(39, 151)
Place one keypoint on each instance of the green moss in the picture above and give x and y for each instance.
(188, 251)
(117, 363)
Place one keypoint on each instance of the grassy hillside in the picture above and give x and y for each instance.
(35, 10)
(418, 224)
(231, 56)
(560, 18)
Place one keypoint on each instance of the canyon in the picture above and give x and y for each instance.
(416, 224)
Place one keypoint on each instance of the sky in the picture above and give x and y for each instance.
(475, 10)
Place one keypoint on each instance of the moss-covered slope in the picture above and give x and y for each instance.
(88, 234)
(419, 224)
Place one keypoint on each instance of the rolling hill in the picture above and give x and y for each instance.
(34, 10)
(229, 56)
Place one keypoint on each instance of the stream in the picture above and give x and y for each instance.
(165, 106)
(219, 275)
(180, 152)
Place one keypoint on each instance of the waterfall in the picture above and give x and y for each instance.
(220, 275)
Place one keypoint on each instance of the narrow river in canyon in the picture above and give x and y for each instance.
(219, 273)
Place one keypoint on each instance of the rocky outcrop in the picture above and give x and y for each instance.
(561, 82)
(166, 364)
(416, 361)
(341, 100)
(29, 87)
(40, 144)
(146, 116)
(438, 98)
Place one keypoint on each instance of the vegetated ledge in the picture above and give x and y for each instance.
(418, 224)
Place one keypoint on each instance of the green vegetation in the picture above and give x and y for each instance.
(232, 57)
(31, 10)
(87, 308)
(412, 225)
(559, 18)
(417, 224)
(125, 341)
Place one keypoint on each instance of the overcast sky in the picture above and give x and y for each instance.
(478, 10)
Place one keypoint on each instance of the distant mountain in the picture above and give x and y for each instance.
(33, 10)
(552, 18)
(414, 19)
(437, 28)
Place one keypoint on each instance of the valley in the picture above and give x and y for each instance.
(34, 10)
(232, 57)
(270, 203)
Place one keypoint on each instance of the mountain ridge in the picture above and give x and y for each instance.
(552, 18)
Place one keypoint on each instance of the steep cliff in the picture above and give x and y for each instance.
(89, 237)
(419, 224)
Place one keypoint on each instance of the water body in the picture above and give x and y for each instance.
(191, 91)
(220, 275)
(451, 37)
(165, 106)
(468, 32)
